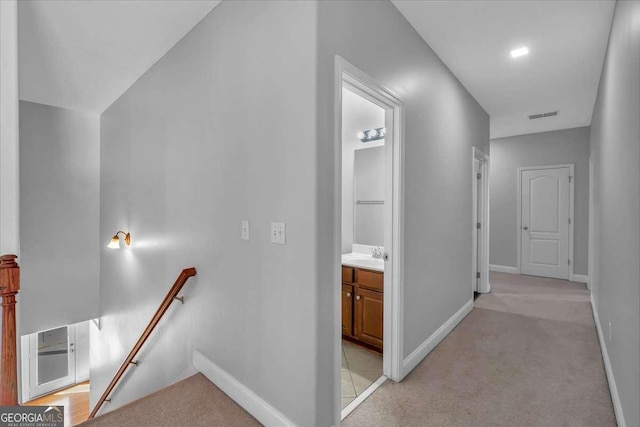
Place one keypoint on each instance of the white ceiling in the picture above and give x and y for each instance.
(84, 54)
(566, 41)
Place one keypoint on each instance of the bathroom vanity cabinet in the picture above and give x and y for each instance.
(362, 306)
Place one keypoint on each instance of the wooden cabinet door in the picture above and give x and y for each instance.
(368, 316)
(347, 310)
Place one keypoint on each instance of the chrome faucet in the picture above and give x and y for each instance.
(377, 252)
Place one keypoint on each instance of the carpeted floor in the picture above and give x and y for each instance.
(527, 355)
(193, 402)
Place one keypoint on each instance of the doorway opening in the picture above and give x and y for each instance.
(367, 199)
(545, 225)
(362, 263)
(480, 225)
(55, 369)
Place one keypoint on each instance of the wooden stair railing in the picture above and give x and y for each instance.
(9, 288)
(171, 296)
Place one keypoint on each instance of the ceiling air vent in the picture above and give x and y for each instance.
(543, 115)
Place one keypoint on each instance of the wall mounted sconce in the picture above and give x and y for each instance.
(371, 135)
(115, 240)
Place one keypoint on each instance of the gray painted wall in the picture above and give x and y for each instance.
(615, 148)
(537, 149)
(59, 216)
(182, 166)
(221, 129)
(442, 123)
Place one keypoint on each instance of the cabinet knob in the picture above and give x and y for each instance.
(348, 294)
(358, 297)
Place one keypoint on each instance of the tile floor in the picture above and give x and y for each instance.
(361, 367)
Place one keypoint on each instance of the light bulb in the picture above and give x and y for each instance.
(114, 243)
(361, 136)
(519, 52)
(373, 133)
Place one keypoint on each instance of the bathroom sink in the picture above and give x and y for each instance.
(363, 261)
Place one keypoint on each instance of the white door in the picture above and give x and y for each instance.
(52, 360)
(480, 206)
(477, 203)
(545, 222)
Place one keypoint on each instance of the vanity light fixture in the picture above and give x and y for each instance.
(521, 51)
(115, 240)
(371, 135)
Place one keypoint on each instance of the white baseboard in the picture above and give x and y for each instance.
(251, 402)
(425, 348)
(580, 278)
(615, 398)
(503, 269)
(82, 379)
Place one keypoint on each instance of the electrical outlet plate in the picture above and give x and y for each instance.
(278, 233)
(245, 230)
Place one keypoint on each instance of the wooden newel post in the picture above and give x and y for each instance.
(9, 287)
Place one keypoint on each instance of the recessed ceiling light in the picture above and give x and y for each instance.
(521, 51)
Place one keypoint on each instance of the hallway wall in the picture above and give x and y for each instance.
(537, 149)
(221, 129)
(59, 216)
(615, 151)
(442, 123)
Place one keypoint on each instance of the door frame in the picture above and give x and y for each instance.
(356, 80)
(572, 180)
(591, 267)
(483, 284)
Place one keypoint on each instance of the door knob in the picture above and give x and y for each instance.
(525, 228)
(348, 294)
(358, 297)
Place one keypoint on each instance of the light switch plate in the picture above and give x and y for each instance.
(278, 233)
(245, 230)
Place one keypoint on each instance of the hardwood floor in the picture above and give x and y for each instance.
(75, 400)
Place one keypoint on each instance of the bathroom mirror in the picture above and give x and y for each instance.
(368, 182)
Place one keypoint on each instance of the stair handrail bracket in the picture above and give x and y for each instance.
(130, 359)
